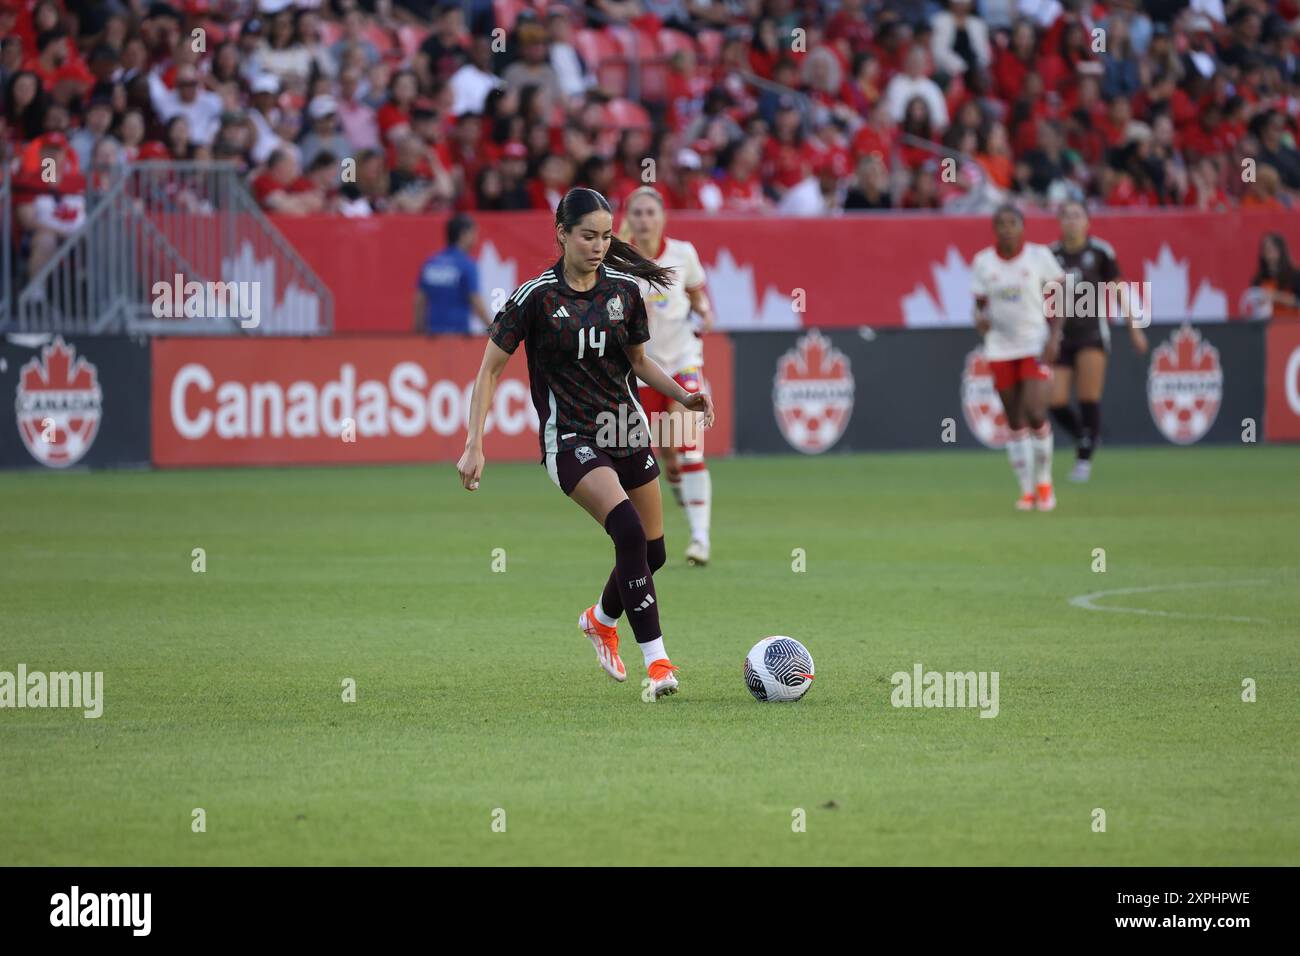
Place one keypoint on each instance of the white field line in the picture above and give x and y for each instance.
(1087, 601)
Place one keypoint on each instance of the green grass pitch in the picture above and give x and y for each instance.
(475, 691)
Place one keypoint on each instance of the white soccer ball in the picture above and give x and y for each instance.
(778, 668)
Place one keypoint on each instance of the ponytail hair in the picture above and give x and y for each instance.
(622, 255)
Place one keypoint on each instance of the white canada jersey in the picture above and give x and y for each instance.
(1014, 290)
(673, 342)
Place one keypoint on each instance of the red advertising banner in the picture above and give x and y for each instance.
(275, 401)
(882, 271)
(1282, 382)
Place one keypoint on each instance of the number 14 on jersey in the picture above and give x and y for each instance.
(597, 341)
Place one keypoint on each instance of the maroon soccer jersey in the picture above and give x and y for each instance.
(1094, 263)
(577, 366)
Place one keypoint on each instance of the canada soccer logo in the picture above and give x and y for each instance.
(59, 405)
(1185, 386)
(980, 403)
(813, 394)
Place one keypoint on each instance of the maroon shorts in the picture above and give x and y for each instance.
(570, 466)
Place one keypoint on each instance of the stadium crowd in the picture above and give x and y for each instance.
(365, 107)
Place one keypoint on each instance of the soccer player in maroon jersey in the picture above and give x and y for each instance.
(584, 327)
(1085, 340)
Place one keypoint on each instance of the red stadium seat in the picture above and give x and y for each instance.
(647, 45)
(674, 41)
(605, 57)
(625, 38)
(625, 114)
(655, 69)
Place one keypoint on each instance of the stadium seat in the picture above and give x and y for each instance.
(657, 51)
(604, 56)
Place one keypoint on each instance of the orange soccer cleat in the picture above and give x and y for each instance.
(605, 641)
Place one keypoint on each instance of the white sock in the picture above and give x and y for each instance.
(654, 650)
(1021, 455)
(697, 488)
(602, 617)
(1043, 443)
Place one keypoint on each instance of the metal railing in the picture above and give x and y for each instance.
(176, 248)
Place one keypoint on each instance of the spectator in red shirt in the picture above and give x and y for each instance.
(282, 189)
(1013, 62)
(60, 69)
(394, 117)
(850, 23)
(692, 189)
(917, 124)
(687, 86)
(1204, 193)
(742, 189)
(877, 135)
(48, 197)
(553, 180)
(863, 90)
(787, 158)
(765, 49)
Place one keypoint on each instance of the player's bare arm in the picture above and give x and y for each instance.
(701, 306)
(982, 321)
(649, 371)
(470, 465)
(1056, 323)
(1135, 332)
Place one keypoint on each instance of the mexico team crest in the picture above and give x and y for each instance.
(58, 405)
(1185, 386)
(614, 308)
(813, 394)
(980, 402)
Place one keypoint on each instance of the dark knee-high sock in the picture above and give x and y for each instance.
(1067, 418)
(611, 602)
(636, 585)
(1088, 434)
